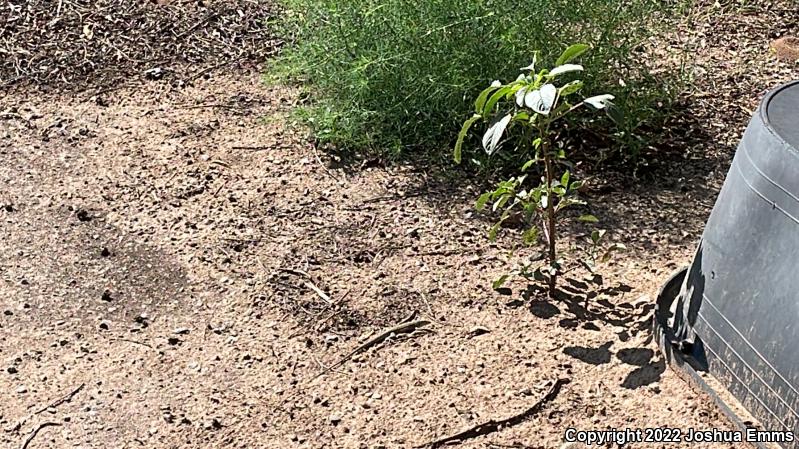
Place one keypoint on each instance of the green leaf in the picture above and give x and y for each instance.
(530, 236)
(615, 113)
(494, 99)
(522, 116)
(596, 235)
(502, 201)
(479, 104)
(492, 233)
(571, 53)
(530, 209)
(588, 219)
(613, 248)
(528, 164)
(564, 180)
(499, 282)
(482, 200)
(567, 202)
(537, 192)
(570, 88)
(576, 185)
(462, 135)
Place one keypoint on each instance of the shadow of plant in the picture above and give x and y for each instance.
(588, 304)
(594, 356)
(645, 375)
(635, 356)
(647, 371)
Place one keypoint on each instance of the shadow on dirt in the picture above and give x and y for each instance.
(587, 304)
(645, 375)
(647, 371)
(635, 356)
(594, 356)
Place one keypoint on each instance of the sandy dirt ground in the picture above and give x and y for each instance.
(180, 267)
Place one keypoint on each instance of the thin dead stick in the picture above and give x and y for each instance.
(511, 446)
(429, 307)
(197, 25)
(295, 272)
(68, 397)
(319, 292)
(322, 322)
(209, 106)
(35, 431)
(444, 252)
(322, 164)
(220, 188)
(135, 342)
(212, 68)
(402, 328)
(405, 326)
(308, 283)
(252, 148)
(379, 199)
(493, 426)
(55, 403)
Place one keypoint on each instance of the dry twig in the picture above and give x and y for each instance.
(493, 426)
(66, 398)
(402, 328)
(35, 432)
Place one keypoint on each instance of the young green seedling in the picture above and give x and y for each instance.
(534, 102)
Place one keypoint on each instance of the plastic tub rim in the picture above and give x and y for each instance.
(764, 116)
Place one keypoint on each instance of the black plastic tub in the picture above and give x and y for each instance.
(734, 312)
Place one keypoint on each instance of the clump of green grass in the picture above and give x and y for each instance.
(397, 76)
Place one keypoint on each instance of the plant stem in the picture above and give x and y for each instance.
(550, 219)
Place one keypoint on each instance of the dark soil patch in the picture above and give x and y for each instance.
(99, 43)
